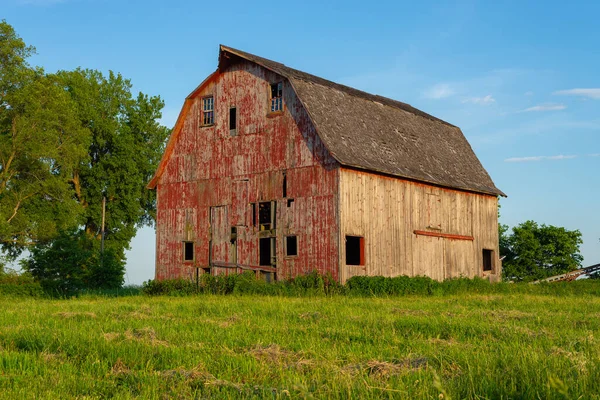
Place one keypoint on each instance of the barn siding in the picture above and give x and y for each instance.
(209, 168)
(386, 211)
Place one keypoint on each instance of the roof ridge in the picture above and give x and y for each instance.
(293, 73)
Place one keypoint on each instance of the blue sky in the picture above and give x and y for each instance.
(520, 78)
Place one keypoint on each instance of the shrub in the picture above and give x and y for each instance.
(14, 284)
(69, 264)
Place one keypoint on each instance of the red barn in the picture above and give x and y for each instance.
(281, 172)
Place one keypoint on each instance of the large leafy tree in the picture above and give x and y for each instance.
(125, 148)
(41, 144)
(68, 140)
(535, 251)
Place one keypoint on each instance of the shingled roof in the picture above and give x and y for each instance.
(375, 133)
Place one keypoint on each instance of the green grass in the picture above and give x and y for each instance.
(500, 345)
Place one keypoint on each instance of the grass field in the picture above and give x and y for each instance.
(453, 346)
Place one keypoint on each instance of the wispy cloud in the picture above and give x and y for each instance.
(540, 158)
(546, 107)
(480, 100)
(528, 93)
(592, 93)
(439, 91)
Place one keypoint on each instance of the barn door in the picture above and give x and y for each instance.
(220, 231)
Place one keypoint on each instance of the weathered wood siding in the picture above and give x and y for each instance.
(387, 211)
(212, 178)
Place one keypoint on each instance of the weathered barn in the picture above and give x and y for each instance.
(281, 172)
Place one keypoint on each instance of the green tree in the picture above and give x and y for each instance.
(67, 140)
(41, 142)
(539, 251)
(125, 148)
(70, 263)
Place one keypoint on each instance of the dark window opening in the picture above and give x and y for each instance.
(291, 246)
(355, 250)
(188, 251)
(253, 214)
(232, 119)
(289, 202)
(206, 270)
(277, 96)
(266, 215)
(233, 236)
(487, 259)
(208, 113)
(284, 185)
(267, 251)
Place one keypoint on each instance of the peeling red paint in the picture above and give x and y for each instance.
(211, 179)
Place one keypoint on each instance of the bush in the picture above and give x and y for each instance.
(169, 287)
(70, 263)
(14, 284)
(315, 284)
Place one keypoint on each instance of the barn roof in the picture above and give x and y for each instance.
(375, 133)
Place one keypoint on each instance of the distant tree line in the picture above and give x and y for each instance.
(67, 140)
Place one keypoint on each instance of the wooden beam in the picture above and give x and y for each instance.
(443, 235)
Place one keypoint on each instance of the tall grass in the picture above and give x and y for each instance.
(316, 284)
(507, 341)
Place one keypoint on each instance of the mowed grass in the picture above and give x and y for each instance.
(459, 346)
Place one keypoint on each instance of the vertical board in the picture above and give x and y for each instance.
(220, 230)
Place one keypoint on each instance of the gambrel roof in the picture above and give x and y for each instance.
(378, 134)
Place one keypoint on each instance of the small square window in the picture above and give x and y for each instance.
(355, 250)
(188, 251)
(208, 113)
(291, 246)
(277, 97)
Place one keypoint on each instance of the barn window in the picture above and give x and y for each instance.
(291, 246)
(208, 113)
(188, 251)
(355, 250)
(233, 235)
(276, 96)
(232, 121)
(488, 260)
(284, 185)
(266, 215)
(266, 251)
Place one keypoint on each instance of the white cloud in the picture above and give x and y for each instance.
(540, 158)
(594, 155)
(546, 107)
(528, 93)
(592, 93)
(439, 91)
(480, 100)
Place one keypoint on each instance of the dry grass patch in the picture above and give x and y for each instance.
(68, 315)
(402, 311)
(385, 369)
(145, 335)
(120, 368)
(577, 359)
